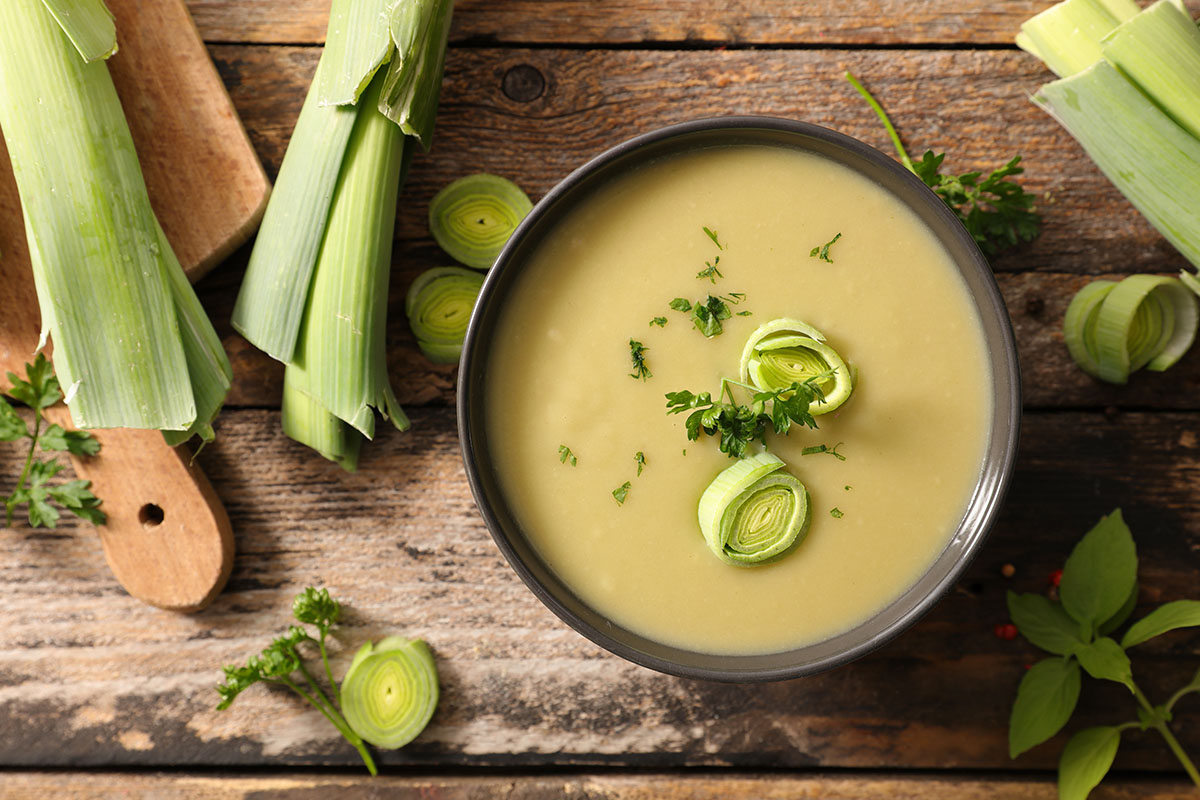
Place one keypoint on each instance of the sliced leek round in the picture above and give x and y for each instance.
(474, 216)
(439, 305)
(1114, 329)
(786, 351)
(390, 691)
(753, 512)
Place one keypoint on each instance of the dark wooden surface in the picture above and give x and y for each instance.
(90, 679)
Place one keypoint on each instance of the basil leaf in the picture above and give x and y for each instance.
(1045, 700)
(1105, 660)
(1044, 623)
(1086, 760)
(1100, 573)
(1118, 619)
(1167, 617)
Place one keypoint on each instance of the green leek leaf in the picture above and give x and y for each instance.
(420, 30)
(357, 44)
(88, 24)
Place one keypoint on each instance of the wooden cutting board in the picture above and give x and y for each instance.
(168, 539)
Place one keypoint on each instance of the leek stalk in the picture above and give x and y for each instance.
(1131, 97)
(133, 347)
(315, 291)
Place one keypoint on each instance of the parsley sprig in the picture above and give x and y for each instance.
(736, 425)
(282, 663)
(708, 315)
(997, 212)
(40, 391)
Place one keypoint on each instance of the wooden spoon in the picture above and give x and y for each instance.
(168, 539)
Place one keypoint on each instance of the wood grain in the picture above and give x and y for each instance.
(689, 23)
(644, 786)
(593, 100)
(111, 682)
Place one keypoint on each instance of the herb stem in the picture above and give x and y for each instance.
(1161, 726)
(1191, 687)
(337, 721)
(325, 658)
(37, 430)
(883, 117)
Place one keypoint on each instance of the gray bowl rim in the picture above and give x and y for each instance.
(982, 510)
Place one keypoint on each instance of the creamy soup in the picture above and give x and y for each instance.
(558, 374)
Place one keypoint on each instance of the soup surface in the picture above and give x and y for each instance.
(558, 374)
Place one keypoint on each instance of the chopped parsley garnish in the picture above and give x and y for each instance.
(713, 235)
(637, 352)
(822, 448)
(836, 513)
(640, 459)
(736, 425)
(708, 314)
(659, 321)
(822, 251)
(846, 487)
(997, 212)
(621, 492)
(744, 313)
(710, 270)
(565, 455)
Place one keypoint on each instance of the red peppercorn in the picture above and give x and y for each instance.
(1056, 577)
(1006, 630)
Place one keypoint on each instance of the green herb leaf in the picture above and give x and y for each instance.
(41, 513)
(821, 448)
(736, 425)
(822, 251)
(41, 390)
(997, 212)
(637, 352)
(659, 321)
(713, 235)
(710, 270)
(621, 492)
(1105, 660)
(708, 317)
(1167, 617)
(640, 459)
(12, 427)
(1044, 623)
(1100, 572)
(565, 455)
(1045, 700)
(1086, 760)
(836, 513)
(679, 304)
(1116, 620)
(316, 607)
(80, 443)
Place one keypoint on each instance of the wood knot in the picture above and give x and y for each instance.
(1034, 306)
(523, 83)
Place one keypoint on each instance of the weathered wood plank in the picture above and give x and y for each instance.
(971, 23)
(108, 681)
(592, 100)
(659, 786)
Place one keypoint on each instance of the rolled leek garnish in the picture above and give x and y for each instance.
(473, 217)
(439, 305)
(753, 513)
(390, 691)
(1114, 329)
(786, 351)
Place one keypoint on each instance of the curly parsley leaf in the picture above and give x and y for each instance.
(997, 212)
(637, 353)
(737, 425)
(40, 390)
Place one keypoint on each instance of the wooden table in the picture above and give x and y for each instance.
(101, 695)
